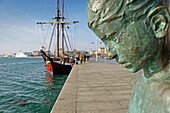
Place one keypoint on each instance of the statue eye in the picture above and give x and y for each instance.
(116, 39)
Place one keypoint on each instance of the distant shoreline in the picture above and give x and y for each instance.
(34, 57)
(24, 57)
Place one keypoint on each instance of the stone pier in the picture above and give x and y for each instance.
(96, 87)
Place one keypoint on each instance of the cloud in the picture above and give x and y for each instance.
(14, 32)
(17, 31)
(18, 37)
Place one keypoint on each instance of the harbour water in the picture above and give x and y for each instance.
(26, 87)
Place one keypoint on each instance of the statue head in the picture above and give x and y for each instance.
(134, 31)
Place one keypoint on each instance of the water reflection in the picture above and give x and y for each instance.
(54, 82)
(52, 89)
(49, 79)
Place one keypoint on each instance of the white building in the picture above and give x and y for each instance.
(20, 55)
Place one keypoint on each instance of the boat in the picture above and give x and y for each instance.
(57, 64)
(20, 55)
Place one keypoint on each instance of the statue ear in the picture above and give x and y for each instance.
(159, 21)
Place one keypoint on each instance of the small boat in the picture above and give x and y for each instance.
(57, 64)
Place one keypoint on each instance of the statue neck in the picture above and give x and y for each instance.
(156, 66)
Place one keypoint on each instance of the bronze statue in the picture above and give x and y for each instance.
(136, 35)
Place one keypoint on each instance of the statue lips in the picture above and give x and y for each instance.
(125, 64)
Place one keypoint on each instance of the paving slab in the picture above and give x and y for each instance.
(96, 87)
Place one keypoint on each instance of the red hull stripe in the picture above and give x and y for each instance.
(49, 68)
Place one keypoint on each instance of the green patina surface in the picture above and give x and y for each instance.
(135, 34)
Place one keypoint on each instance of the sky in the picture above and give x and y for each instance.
(19, 31)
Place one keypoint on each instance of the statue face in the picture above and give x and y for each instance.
(133, 38)
(132, 44)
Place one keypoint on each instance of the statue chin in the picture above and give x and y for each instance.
(132, 70)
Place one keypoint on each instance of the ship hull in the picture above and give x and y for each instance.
(61, 69)
(56, 67)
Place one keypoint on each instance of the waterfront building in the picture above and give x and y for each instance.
(36, 53)
(100, 51)
(11, 55)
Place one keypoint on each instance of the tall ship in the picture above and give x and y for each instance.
(57, 63)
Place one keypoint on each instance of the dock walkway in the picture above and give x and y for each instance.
(95, 88)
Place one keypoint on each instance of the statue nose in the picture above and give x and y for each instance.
(111, 53)
(115, 55)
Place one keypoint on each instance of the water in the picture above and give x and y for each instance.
(26, 87)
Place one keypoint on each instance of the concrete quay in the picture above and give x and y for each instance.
(96, 87)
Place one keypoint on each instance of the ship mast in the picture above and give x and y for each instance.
(62, 26)
(58, 22)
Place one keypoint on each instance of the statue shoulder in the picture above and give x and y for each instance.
(139, 76)
(166, 98)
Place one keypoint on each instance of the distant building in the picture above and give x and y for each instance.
(36, 53)
(12, 55)
(4, 56)
(28, 53)
(92, 52)
(101, 51)
(9, 55)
